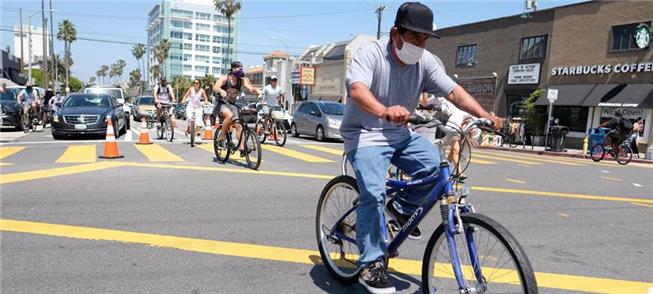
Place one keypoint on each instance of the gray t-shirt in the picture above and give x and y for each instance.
(392, 85)
(271, 95)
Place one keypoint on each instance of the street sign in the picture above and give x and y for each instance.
(552, 95)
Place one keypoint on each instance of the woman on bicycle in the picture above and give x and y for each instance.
(194, 96)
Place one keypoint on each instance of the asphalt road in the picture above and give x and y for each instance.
(168, 218)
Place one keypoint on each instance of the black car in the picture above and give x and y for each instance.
(86, 114)
(180, 110)
(11, 109)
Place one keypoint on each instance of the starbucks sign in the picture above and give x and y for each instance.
(642, 36)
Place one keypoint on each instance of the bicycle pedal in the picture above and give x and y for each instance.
(393, 254)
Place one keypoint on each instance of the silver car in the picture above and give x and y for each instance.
(319, 119)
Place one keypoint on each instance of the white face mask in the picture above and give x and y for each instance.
(409, 53)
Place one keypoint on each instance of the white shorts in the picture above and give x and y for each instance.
(199, 115)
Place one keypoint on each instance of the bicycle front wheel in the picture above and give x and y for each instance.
(338, 253)
(597, 152)
(504, 267)
(624, 155)
(252, 150)
(279, 133)
(169, 131)
(220, 147)
(160, 129)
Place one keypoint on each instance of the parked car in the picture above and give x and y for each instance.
(11, 109)
(115, 92)
(320, 119)
(144, 108)
(86, 114)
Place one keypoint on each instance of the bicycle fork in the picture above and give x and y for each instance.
(453, 225)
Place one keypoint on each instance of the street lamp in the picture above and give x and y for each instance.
(29, 46)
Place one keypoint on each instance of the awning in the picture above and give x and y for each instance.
(621, 95)
(568, 95)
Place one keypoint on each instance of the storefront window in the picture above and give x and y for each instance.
(466, 55)
(533, 48)
(623, 38)
(574, 117)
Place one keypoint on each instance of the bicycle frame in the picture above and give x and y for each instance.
(442, 190)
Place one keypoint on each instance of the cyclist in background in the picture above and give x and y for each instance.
(385, 80)
(194, 96)
(620, 128)
(163, 93)
(28, 98)
(272, 96)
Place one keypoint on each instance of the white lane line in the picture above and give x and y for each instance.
(128, 136)
(605, 171)
(637, 185)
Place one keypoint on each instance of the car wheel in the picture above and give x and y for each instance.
(127, 123)
(116, 132)
(57, 136)
(319, 133)
(293, 131)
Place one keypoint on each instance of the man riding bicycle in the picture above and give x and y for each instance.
(163, 93)
(230, 87)
(272, 97)
(620, 129)
(29, 98)
(384, 81)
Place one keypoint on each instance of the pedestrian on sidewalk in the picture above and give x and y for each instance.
(638, 127)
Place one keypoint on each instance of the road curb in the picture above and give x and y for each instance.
(551, 153)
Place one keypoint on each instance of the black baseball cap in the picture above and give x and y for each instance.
(236, 64)
(416, 17)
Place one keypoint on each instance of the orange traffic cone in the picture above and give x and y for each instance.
(144, 138)
(110, 145)
(208, 134)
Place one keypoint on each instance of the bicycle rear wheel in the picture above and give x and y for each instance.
(169, 131)
(279, 133)
(220, 147)
(160, 125)
(338, 254)
(252, 150)
(192, 133)
(624, 154)
(260, 131)
(503, 264)
(597, 152)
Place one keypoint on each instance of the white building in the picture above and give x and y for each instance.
(198, 37)
(36, 43)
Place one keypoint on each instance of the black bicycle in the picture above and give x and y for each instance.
(270, 126)
(164, 125)
(230, 145)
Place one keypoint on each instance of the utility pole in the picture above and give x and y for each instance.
(51, 40)
(379, 14)
(44, 73)
(22, 55)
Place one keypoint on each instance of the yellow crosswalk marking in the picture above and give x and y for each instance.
(295, 154)
(9, 151)
(235, 156)
(533, 158)
(505, 159)
(292, 255)
(325, 149)
(157, 153)
(78, 154)
(56, 172)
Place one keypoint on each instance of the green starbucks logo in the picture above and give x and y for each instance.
(642, 36)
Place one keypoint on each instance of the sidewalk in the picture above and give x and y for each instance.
(574, 153)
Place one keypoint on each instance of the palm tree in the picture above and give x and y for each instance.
(102, 72)
(120, 68)
(68, 34)
(138, 51)
(228, 8)
(161, 53)
(61, 68)
(134, 79)
(155, 71)
(91, 80)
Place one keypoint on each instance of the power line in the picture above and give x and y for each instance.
(303, 15)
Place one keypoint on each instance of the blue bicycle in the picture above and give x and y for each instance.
(467, 253)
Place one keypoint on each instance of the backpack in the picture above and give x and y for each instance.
(625, 125)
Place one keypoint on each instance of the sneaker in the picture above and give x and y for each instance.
(242, 153)
(375, 279)
(416, 234)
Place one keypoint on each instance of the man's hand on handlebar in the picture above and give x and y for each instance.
(497, 122)
(396, 114)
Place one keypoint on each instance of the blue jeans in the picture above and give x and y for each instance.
(415, 156)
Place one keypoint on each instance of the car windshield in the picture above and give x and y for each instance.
(113, 92)
(146, 101)
(331, 108)
(10, 95)
(87, 101)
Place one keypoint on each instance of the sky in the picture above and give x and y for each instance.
(266, 25)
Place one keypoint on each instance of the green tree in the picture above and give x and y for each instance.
(228, 8)
(37, 75)
(120, 68)
(75, 84)
(61, 68)
(207, 83)
(155, 72)
(180, 84)
(161, 51)
(138, 51)
(534, 116)
(135, 81)
(68, 34)
(91, 80)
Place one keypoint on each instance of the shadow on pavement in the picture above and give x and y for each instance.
(323, 279)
